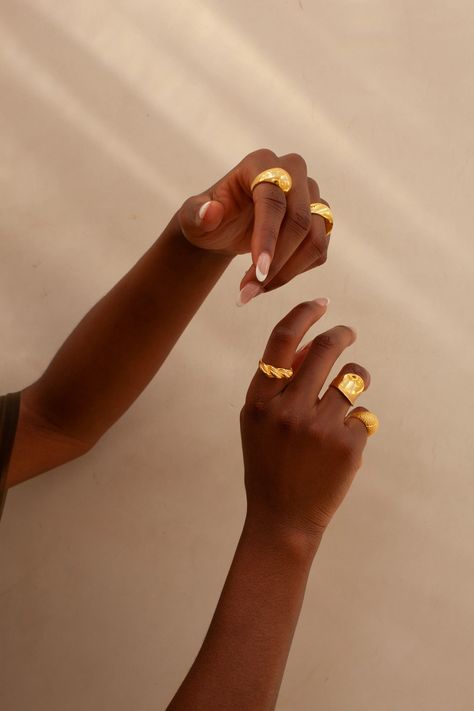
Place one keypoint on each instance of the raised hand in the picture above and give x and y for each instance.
(276, 227)
(300, 450)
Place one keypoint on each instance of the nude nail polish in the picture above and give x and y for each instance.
(249, 292)
(263, 266)
(202, 211)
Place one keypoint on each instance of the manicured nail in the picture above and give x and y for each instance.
(202, 211)
(263, 265)
(248, 292)
(322, 301)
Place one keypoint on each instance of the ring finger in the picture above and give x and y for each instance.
(311, 253)
(334, 404)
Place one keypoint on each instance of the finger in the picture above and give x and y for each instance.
(282, 344)
(357, 428)
(325, 350)
(312, 252)
(297, 220)
(334, 404)
(300, 355)
(293, 223)
(269, 205)
(199, 215)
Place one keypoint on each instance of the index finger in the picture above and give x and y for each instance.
(282, 344)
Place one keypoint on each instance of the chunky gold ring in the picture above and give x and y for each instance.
(319, 208)
(370, 420)
(272, 372)
(277, 176)
(350, 385)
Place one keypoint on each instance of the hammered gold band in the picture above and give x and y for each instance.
(350, 385)
(319, 208)
(277, 176)
(272, 372)
(370, 420)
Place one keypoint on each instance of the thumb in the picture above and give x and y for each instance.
(200, 215)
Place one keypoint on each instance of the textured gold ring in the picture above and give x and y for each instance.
(319, 208)
(370, 420)
(277, 176)
(272, 372)
(350, 385)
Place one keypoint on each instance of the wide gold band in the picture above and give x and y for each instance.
(272, 372)
(370, 420)
(277, 176)
(350, 385)
(319, 208)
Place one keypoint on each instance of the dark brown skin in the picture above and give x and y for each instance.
(118, 347)
(300, 458)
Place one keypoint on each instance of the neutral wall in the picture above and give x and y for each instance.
(111, 114)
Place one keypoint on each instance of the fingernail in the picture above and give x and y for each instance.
(248, 292)
(202, 211)
(322, 301)
(263, 265)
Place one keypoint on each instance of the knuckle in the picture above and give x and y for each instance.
(288, 420)
(262, 153)
(299, 221)
(326, 341)
(274, 201)
(335, 440)
(298, 159)
(283, 335)
(254, 409)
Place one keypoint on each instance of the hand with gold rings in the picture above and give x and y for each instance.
(267, 205)
(302, 446)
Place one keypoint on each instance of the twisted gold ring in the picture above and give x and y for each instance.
(319, 208)
(350, 385)
(370, 420)
(272, 372)
(277, 176)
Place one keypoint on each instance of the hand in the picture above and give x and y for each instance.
(276, 227)
(300, 453)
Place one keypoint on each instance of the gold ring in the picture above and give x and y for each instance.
(277, 176)
(370, 420)
(272, 372)
(350, 385)
(319, 208)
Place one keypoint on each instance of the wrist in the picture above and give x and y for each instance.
(282, 537)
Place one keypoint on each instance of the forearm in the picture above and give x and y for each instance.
(242, 659)
(120, 344)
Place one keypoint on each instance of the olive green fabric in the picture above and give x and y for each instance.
(9, 411)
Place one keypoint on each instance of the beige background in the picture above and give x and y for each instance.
(112, 113)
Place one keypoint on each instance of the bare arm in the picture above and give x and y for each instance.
(112, 354)
(243, 657)
(117, 348)
(300, 456)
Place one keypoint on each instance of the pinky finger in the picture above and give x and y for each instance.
(362, 423)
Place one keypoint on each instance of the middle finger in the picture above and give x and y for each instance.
(295, 225)
(326, 348)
